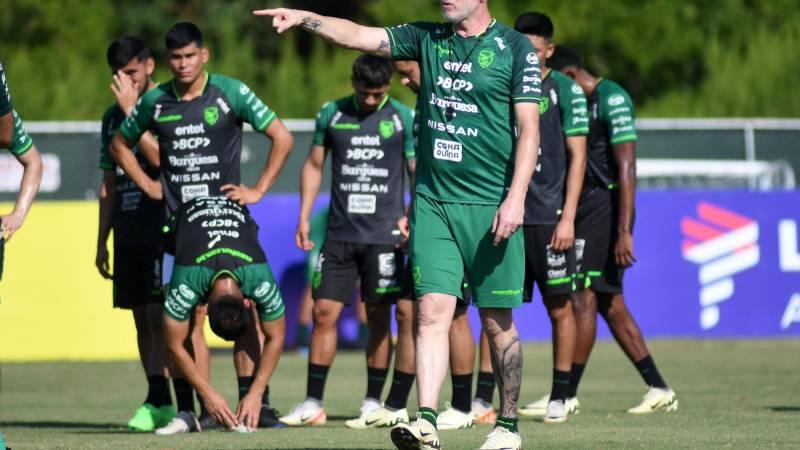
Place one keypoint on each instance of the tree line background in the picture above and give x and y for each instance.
(717, 58)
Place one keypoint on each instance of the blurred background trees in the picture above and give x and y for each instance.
(721, 58)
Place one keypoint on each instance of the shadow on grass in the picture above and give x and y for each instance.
(62, 424)
(784, 408)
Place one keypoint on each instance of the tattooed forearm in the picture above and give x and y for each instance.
(311, 24)
(384, 47)
(507, 365)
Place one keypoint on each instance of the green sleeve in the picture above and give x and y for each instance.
(406, 40)
(319, 227)
(258, 284)
(323, 119)
(21, 142)
(186, 287)
(106, 163)
(407, 118)
(141, 118)
(616, 110)
(573, 107)
(526, 74)
(245, 103)
(5, 95)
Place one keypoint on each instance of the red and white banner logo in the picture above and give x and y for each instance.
(723, 243)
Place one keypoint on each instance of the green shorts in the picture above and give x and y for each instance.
(448, 239)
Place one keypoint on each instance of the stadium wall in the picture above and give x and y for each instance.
(710, 264)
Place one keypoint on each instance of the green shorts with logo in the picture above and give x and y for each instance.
(448, 239)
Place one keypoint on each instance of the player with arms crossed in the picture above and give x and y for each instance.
(605, 221)
(219, 262)
(550, 256)
(472, 177)
(369, 136)
(136, 220)
(197, 118)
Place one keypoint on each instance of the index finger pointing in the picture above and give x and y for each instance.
(265, 12)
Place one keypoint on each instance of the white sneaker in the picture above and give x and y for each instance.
(453, 419)
(573, 405)
(308, 413)
(656, 399)
(535, 409)
(556, 412)
(417, 435)
(483, 412)
(377, 417)
(502, 439)
(183, 422)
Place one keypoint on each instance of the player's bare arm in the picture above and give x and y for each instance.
(6, 129)
(564, 234)
(175, 334)
(511, 212)
(625, 156)
(310, 181)
(282, 142)
(126, 94)
(122, 153)
(402, 224)
(106, 202)
(341, 32)
(28, 188)
(250, 406)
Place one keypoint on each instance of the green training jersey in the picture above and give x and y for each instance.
(136, 218)
(5, 95)
(612, 122)
(215, 236)
(562, 113)
(466, 107)
(368, 158)
(200, 141)
(21, 141)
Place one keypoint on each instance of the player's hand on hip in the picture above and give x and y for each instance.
(125, 91)
(623, 250)
(508, 219)
(282, 18)
(10, 224)
(101, 262)
(301, 236)
(563, 236)
(219, 410)
(242, 194)
(154, 190)
(249, 410)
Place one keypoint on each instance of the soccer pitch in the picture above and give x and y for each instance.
(738, 394)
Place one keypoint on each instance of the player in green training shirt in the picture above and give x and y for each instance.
(550, 245)
(136, 221)
(605, 221)
(197, 118)
(6, 108)
(478, 141)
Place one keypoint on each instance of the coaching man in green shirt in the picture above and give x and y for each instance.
(480, 80)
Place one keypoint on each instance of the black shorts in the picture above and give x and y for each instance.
(137, 275)
(596, 224)
(408, 292)
(554, 273)
(341, 264)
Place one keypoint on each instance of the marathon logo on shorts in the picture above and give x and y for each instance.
(723, 244)
(361, 204)
(447, 150)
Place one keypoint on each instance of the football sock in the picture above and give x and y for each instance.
(462, 392)
(315, 385)
(649, 372)
(401, 388)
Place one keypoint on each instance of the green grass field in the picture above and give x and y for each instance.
(736, 394)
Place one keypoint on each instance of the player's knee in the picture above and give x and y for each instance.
(324, 316)
(404, 316)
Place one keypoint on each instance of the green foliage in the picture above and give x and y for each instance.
(689, 58)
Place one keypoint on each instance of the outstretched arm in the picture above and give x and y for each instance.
(250, 406)
(341, 32)
(31, 179)
(175, 334)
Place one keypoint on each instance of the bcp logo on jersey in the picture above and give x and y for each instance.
(723, 243)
